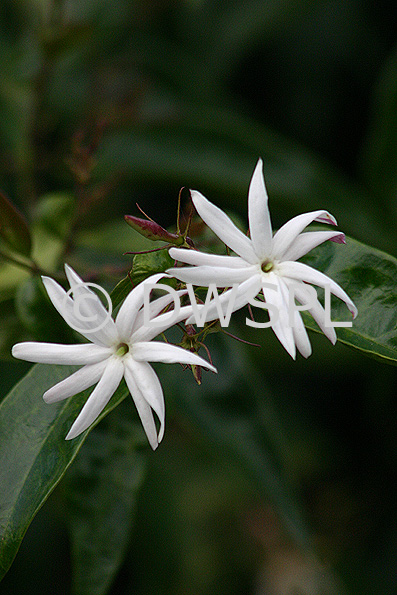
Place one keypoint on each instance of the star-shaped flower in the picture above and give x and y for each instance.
(120, 347)
(264, 263)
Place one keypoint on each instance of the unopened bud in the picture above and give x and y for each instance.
(151, 230)
(196, 373)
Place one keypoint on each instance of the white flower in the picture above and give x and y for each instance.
(263, 260)
(121, 347)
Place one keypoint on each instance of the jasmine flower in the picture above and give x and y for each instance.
(264, 264)
(118, 348)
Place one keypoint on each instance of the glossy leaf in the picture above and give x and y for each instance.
(144, 265)
(34, 454)
(369, 278)
(150, 263)
(13, 227)
(11, 330)
(121, 291)
(101, 489)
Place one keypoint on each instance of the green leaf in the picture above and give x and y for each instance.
(144, 265)
(13, 228)
(34, 454)
(101, 489)
(11, 330)
(121, 291)
(369, 278)
(150, 263)
(234, 410)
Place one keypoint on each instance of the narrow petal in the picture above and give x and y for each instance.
(53, 353)
(302, 272)
(309, 240)
(159, 324)
(155, 307)
(284, 237)
(99, 397)
(143, 408)
(280, 321)
(258, 214)
(76, 383)
(89, 308)
(149, 387)
(302, 294)
(246, 291)
(67, 309)
(224, 228)
(206, 275)
(201, 258)
(129, 310)
(154, 351)
(300, 336)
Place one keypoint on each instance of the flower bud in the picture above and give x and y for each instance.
(151, 230)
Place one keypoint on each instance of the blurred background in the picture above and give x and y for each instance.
(105, 103)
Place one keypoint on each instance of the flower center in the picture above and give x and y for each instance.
(122, 349)
(267, 266)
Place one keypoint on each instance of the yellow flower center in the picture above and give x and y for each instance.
(267, 266)
(122, 349)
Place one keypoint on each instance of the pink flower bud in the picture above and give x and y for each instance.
(151, 230)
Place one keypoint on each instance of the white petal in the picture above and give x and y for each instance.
(303, 296)
(76, 383)
(224, 228)
(53, 353)
(149, 387)
(160, 324)
(90, 310)
(206, 275)
(72, 276)
(129, 310)
(99, 397)
(280, 323)
(258, 214)
(245, 292)
(309, 240)
(302, 272)
(284, 237)
(155, 307)
(201, 258)
(155, 351)
(300, 336)
(143, 408)
(67, 309)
